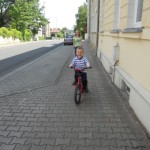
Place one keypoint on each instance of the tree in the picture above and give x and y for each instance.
(5, 7)
(22, 15)
(81, 19)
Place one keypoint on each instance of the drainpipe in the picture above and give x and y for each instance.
(114, 70)
(97, 31)
(89, 21)
(116, 59)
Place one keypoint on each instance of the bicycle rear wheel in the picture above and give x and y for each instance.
(77, 95)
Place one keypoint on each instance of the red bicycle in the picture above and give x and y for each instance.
(79, 86)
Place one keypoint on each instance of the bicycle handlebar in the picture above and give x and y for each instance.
(82, 68)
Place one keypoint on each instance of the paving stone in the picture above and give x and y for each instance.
(18, 140)
(85, 135)
(65, 141)
(5, 140)
(35, 147)
(53, 147)
(15, 134)
(48, 141)
(33, 141)
(7, 147)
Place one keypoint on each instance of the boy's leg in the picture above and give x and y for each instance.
(84, 80)
(75, 78)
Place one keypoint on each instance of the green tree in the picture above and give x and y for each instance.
(5, 7)
(81, 19)
(22, 15)
(27, 15)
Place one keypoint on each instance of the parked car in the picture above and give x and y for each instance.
(68, 40)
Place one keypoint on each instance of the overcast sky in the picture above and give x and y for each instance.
(61, 13)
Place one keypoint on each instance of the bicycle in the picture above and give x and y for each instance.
(79, 86)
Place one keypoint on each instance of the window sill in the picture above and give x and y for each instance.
(101, 31)
(115, 31)
(132, 30)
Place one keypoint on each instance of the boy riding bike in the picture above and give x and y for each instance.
(80, 62)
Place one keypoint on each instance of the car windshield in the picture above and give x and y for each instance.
(69, 36)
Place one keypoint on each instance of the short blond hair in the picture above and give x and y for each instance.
(80, 48)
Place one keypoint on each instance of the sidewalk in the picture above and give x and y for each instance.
(38, 110)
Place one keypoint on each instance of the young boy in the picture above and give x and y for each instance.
(80, 62)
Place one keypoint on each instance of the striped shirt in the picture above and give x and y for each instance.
(80, 62)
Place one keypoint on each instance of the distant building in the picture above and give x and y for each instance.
(54, 32)
(46, 30)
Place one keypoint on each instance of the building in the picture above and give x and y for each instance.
(46, 30)
(119, 35)
(54, 32)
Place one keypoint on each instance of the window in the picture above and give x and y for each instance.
(117, 15)
(138, 13)
(135, 8)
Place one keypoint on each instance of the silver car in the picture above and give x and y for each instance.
(68, 40)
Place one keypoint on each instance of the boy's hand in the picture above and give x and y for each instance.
(69, 66)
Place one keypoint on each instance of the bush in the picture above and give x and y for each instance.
(41, 38)
(14, 33)
(4, 32)
(27, 35)
(19, 35)
(60, 35)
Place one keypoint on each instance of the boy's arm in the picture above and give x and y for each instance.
(72, 64)
(87, 62)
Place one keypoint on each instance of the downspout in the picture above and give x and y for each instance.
(97, 30)
(89, 21)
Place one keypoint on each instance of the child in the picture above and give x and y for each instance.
(80, 62)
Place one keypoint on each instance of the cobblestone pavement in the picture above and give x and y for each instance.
(37, 110)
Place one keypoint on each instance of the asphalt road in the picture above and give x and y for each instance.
(14, 56)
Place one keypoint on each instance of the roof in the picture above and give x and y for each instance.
(55, 30)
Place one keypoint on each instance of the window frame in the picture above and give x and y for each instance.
(138, 24)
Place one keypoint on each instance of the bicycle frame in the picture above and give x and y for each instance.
(79, 83)
(78, 88)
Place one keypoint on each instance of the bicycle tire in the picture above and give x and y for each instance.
(77, 95)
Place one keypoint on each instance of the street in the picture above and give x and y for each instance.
(37, 109)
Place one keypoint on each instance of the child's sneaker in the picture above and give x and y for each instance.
(85, 90)
(74, 83)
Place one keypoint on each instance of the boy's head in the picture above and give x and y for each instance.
(79, 52)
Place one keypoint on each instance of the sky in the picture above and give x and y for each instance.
(61, 13)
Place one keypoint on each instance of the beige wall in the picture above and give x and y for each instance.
(134, 47)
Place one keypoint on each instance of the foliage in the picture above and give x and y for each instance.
(16, 34)
(41, 38)
(81, 19)
(5, 7)
(22, 15)
(4, 32)
(27, 35)
(60, 35)
(64, 31)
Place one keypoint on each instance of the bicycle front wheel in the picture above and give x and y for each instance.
(77, 95)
